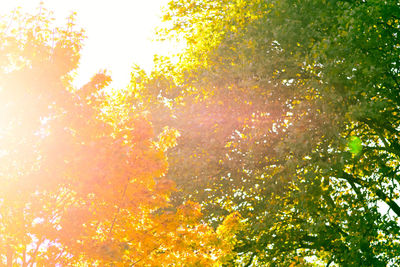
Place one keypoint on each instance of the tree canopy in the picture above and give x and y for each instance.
(83, 180)
(273, 141)
(288, 113)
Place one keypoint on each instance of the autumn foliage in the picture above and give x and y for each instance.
(82, 182)
(272, 140)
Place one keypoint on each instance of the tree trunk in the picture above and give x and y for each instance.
(9, 256)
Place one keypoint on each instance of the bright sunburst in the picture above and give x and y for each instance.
(119, 33)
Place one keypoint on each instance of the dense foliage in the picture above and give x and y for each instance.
(288, 113)
(281, 121)
(82, 181)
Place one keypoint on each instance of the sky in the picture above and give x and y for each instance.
(119, 33)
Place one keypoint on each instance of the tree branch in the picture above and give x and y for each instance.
(250, 260)
(33, 257)
(9, 256)
(382, 196)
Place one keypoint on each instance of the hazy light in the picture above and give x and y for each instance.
(120, 33)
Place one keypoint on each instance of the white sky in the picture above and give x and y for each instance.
(119, 33)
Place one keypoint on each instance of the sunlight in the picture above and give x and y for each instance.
(271, 137)
(119, 34)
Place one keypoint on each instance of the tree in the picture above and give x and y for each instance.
(288, 113)
(83, 180)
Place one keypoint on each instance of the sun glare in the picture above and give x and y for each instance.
(267, 133)
(119, 34)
